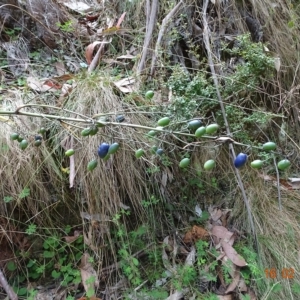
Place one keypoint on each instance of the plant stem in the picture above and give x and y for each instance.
(216, 83)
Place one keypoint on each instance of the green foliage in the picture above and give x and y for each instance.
(57, 258)
(256, 63)
(188, 92)
(31, 229)
(7, 199)
(24, 193)
(66, 26)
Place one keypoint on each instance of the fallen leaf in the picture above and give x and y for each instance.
(233, 255)
(89, 51)
(199, 233)
(242, 286)
(165, 257)
(87, 272)
(215, 213)
(195, 234)
(198, 210)
(121, 19)
(189, 261)
(71, 239)
(234, 282)
(277, 63)
(60, 68)
(40, 85)
(222, 233)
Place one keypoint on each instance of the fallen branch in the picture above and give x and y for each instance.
(10, 293)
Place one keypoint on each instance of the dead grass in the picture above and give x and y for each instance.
(123, 180)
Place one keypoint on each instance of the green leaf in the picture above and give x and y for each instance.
(11, 266)
(31, 263)
(55, 274)
(90, 280)
(135, 261)
(31, 229)
(48, 254)
(90, 292)
(22, 291)
(25, 193)
(41, 269)
(7, 199)
(296, 288)
(277, 288)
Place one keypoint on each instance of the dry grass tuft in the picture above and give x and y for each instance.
(278, 231)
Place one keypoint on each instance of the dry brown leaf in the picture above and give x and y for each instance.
(199, 233)
(89, 51)
(215, 213)
(252, 295)
(165, 257)
(195, 234)
(233, 255)
(222, 233)
(189, 261)
(242, 286)
(87, 271)
(121, 19)
(234, 282)
(71, 239)
(60, 68)
(188, 237)
(225, 297)
(40, 85)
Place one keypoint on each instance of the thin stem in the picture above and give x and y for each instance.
(278, 183)
(216, 83)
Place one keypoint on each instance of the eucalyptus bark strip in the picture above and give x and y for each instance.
(149, 33)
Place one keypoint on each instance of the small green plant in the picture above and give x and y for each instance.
(66, 26)
(7, 199)
(31, 229)
(24, 193)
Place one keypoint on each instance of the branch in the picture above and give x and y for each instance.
(10, 293)
(216, 83)
(161, 33)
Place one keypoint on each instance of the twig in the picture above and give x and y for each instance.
(231, 148)
(10, 293)
(278, 183)
(149, 33)
(162, 32)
